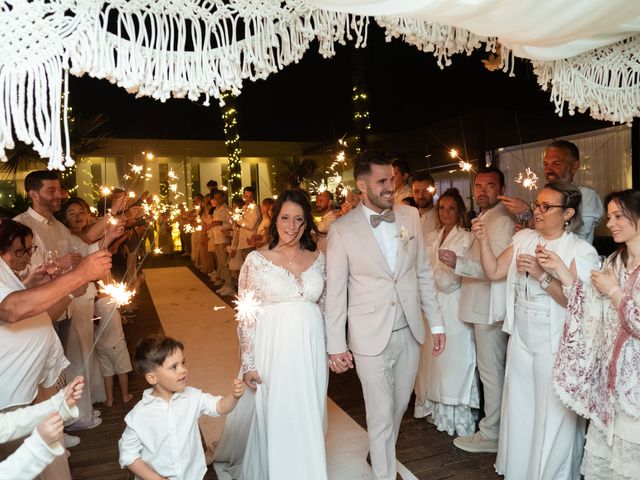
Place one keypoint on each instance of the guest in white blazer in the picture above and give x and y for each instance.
(446, 387)
(379, 284)
(482, 305)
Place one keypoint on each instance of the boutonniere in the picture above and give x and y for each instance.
(405, 237)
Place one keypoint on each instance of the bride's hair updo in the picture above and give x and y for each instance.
(307, 241)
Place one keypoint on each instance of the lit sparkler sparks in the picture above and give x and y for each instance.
(247, 308)
(105, 191)
(216, 308)
(529, 180)
(137, 169)
(132, 195)
(465, 166)
(453, 153)
(431, 189)
(117, 292)
(157, 251)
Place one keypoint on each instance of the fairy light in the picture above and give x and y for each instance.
(247, 307)
(232, 141)
(117, 292)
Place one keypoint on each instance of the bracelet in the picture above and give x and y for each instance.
(546, 281)
(613, 291)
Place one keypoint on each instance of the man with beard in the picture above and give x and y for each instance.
(485, 316)
(423, 188)
(380, 283)
(57, 246)
(561, 162)
(401, 174)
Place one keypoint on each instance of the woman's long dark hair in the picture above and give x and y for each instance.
(307, 240)
(629, 203)
(9, 231)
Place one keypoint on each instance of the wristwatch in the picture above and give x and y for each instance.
(525, 216)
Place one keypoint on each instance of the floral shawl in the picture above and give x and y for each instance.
(597, 367)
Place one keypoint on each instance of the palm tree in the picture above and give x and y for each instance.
(293, 172)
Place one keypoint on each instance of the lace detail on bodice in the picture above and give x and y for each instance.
(271, 285)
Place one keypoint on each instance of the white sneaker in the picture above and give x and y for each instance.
(70, 441)
(476, 443)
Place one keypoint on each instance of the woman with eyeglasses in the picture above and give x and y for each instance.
(540, 439)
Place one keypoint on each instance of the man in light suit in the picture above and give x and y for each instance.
(483, 304)
(379, 283)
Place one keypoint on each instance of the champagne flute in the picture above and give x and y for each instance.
(51, 262)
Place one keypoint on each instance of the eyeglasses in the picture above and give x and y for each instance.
(22, 251)
(544, 207)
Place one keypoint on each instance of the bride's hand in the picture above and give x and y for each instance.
(251, 379)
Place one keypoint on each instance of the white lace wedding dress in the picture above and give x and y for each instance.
(277, 433)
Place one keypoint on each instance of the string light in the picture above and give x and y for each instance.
(232, 141)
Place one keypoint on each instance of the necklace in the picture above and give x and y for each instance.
(290, 260)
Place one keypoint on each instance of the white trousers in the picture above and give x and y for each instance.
(387, 381)
(540, 439)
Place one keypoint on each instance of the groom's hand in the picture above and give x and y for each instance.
(439, 341)
(340, 362)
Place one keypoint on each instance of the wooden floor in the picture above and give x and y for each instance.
(429, 454)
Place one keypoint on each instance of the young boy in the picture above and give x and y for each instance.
(161, 439)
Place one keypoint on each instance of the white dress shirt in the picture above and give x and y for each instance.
(248, 224)
(591, 211)
(221, 214)
(165, 434)
(386, 236)
(31, 350)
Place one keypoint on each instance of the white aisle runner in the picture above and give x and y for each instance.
(185, 307)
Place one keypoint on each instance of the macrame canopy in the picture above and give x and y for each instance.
(586, 53)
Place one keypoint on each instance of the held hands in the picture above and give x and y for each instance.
(514, 205)
(251, 379)
(340, 362)
(448, 257)
(50, 429)
(38, 276)
(73, 391)
(439, 342)
(238, 388)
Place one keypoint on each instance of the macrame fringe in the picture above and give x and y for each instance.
(606, 82)
(443, 41)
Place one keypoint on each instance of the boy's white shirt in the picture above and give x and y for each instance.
(34, 454)
(165, 434)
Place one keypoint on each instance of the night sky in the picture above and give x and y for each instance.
(311, 100)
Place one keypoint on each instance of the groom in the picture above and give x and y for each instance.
(379, 283)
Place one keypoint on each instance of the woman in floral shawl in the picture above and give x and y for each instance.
(597, 370)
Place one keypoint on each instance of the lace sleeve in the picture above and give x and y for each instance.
(323, 297)
(247, 310)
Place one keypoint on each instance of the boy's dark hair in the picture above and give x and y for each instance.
(151, 353)
(33, 181)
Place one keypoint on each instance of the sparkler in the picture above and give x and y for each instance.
(117, 292)
(215, 309)
(157, 251)
(247, 308)
(529, 180)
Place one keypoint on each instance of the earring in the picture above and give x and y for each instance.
(566, 223)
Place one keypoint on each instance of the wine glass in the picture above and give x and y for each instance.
(51, 262)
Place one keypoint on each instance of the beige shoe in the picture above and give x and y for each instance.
(476, 443)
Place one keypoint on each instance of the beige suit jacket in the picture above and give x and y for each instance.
(482, 301)
(362, 291)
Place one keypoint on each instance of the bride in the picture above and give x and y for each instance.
(277, 429)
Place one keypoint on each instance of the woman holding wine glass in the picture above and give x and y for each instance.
(539, 437)
(597, 371)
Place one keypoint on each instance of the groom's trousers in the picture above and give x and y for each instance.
(387, 382)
